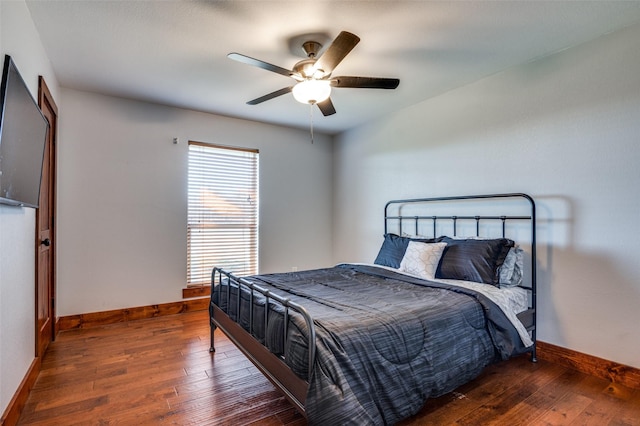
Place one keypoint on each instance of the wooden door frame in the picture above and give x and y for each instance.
(45, 98)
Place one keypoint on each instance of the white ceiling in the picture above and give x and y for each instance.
(174, 52)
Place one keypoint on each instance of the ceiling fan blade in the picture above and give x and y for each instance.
(335, 53)
(326, 107)
(271, 95)
(365, 82)
(260, 64)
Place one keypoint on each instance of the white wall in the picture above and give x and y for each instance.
(565, 129)
(122, 198)
(19, 39)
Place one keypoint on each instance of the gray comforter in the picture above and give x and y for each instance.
(385, 342)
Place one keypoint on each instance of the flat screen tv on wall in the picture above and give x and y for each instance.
(23, 132)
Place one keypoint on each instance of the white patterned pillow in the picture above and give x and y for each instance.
(511, 269)
(421, 259)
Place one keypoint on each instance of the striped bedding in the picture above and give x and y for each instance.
(385, 341)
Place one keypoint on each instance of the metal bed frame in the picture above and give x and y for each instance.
(274, 367)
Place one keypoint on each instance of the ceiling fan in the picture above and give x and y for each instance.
(313, 75)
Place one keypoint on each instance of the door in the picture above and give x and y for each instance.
(45, 229)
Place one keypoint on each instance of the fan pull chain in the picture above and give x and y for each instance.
(311, 120)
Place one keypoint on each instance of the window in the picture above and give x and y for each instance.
(222, 214)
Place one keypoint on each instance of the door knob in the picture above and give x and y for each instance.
(46, 242)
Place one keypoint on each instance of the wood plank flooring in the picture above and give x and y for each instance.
(159, 371)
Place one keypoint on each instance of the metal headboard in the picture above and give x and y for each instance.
(435, 219)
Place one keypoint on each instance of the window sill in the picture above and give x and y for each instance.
(196, 291)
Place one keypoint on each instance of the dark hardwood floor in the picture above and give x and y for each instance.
(159, 371)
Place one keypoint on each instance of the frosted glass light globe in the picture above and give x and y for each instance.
(312, 91)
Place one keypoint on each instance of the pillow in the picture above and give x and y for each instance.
(473, 259)
(421, 259)
(393, 249)
(511, 269)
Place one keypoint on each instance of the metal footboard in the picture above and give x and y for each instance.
(252, 289)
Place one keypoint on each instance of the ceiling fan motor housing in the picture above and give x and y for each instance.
(306, 68)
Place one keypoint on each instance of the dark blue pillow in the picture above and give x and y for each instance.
(473, 259)
(394, 247)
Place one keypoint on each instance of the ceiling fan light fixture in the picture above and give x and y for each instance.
(313, 74)
(312, 91)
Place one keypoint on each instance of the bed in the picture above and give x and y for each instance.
(452, 290)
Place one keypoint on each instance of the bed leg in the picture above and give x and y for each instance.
(534, 358)
(212, 348)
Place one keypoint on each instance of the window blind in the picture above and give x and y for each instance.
(222, 216)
